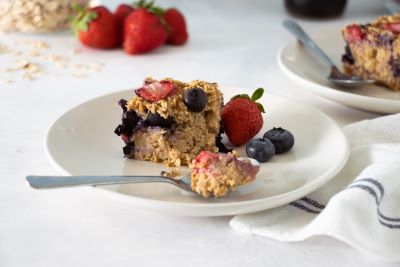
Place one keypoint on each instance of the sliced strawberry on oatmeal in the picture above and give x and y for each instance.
(156, 90)
(393, 27)
(353, 33)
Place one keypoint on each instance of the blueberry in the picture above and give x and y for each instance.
(122, 103)
(128, 150)
(282, 139)
(260, 149)
(218, 143)
(130, 118)
(195, 99)
(348, 56)
(158, 120)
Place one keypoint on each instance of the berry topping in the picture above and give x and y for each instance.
(158, 120)
(241, 117)
(282, 139)
(393, 27)
(156, 90)
(353, 33)
(260, 149)
(195, 99)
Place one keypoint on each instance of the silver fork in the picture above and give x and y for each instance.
(47, 182)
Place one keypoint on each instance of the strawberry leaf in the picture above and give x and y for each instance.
(260, 107)
(81, 22)
(151, 7)
(257, 94)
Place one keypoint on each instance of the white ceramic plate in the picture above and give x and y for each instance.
(306, 70)
(82, 142)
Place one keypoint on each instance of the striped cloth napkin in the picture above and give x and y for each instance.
(361, 206)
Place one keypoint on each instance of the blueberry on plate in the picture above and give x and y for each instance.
(260, 149)
(158, 120)
(195, 99)
(282, 139)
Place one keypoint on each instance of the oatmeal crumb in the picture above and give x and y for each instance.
(173, 172)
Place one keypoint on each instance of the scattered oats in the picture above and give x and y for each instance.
(75, 51)
(28, 76)
(22, 64)
(33, 53)
(81, 66)
(40, 44)
(78, 75)
(6, 81)
(15, 53)
(96, 66)
(7, 70)
(60, 61)
(4, 49)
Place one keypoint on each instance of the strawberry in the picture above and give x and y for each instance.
(95, 27)
(241, 117)
(394, 26)
(353, 33)
(144, 29)
(120, 14)
(155, 90)
(176, 26)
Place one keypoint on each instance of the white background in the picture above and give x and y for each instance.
(231, 42)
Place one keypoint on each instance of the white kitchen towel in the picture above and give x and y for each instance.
(360, 206)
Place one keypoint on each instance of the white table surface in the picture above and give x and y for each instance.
(231, 42)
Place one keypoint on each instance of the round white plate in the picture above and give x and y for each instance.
(306, 70)
(82, 142)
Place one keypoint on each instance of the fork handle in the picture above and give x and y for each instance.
(46, 182)
(306, 40)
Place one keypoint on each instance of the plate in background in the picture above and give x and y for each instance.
(306, 70)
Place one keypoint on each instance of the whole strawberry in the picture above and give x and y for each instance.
(121, 13)
(96, 27)
(144, 29)
(241, 117)
(177, 27)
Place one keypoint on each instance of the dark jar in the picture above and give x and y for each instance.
(316, 8)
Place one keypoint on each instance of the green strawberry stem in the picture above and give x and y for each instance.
(150, 6)
(255, 96)
(82, 18)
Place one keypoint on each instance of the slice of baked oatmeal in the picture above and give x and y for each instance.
(373, 51)
(171, 121)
